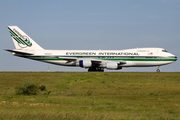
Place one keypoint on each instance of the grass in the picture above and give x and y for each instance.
(92, 96)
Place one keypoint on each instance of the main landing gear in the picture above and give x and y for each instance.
(158, 70)
(95, 69)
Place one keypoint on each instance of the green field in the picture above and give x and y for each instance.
(92, 96)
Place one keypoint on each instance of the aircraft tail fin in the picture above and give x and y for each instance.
(22, 40)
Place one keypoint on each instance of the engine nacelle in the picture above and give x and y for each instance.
(85, 63)
(112, 65)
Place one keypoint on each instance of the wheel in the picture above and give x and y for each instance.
(158, 70)
(99, 69)
(95, 69)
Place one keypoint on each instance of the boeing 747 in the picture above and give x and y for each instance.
(94, 60)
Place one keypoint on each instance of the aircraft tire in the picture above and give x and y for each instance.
(95, 69)
(158, 70)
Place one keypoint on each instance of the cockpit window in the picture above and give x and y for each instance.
(164, 51)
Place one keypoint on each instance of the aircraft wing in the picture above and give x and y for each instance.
(94, 61)
(68, 58)
(99, 61)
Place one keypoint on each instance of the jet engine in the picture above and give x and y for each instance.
(112, 66)
(85, 63)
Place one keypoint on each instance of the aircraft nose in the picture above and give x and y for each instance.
(175, 57)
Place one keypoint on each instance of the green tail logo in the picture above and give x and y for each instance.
(23, 40)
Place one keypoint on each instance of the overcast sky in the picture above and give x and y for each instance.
(90, 25)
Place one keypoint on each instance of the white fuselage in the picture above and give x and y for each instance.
(140, 57)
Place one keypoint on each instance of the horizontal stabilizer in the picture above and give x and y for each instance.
(18, 52)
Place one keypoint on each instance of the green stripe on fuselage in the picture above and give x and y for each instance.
(116, 58)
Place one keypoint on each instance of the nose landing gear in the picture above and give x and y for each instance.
(158, 70)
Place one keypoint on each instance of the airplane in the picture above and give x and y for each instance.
(94, 60)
